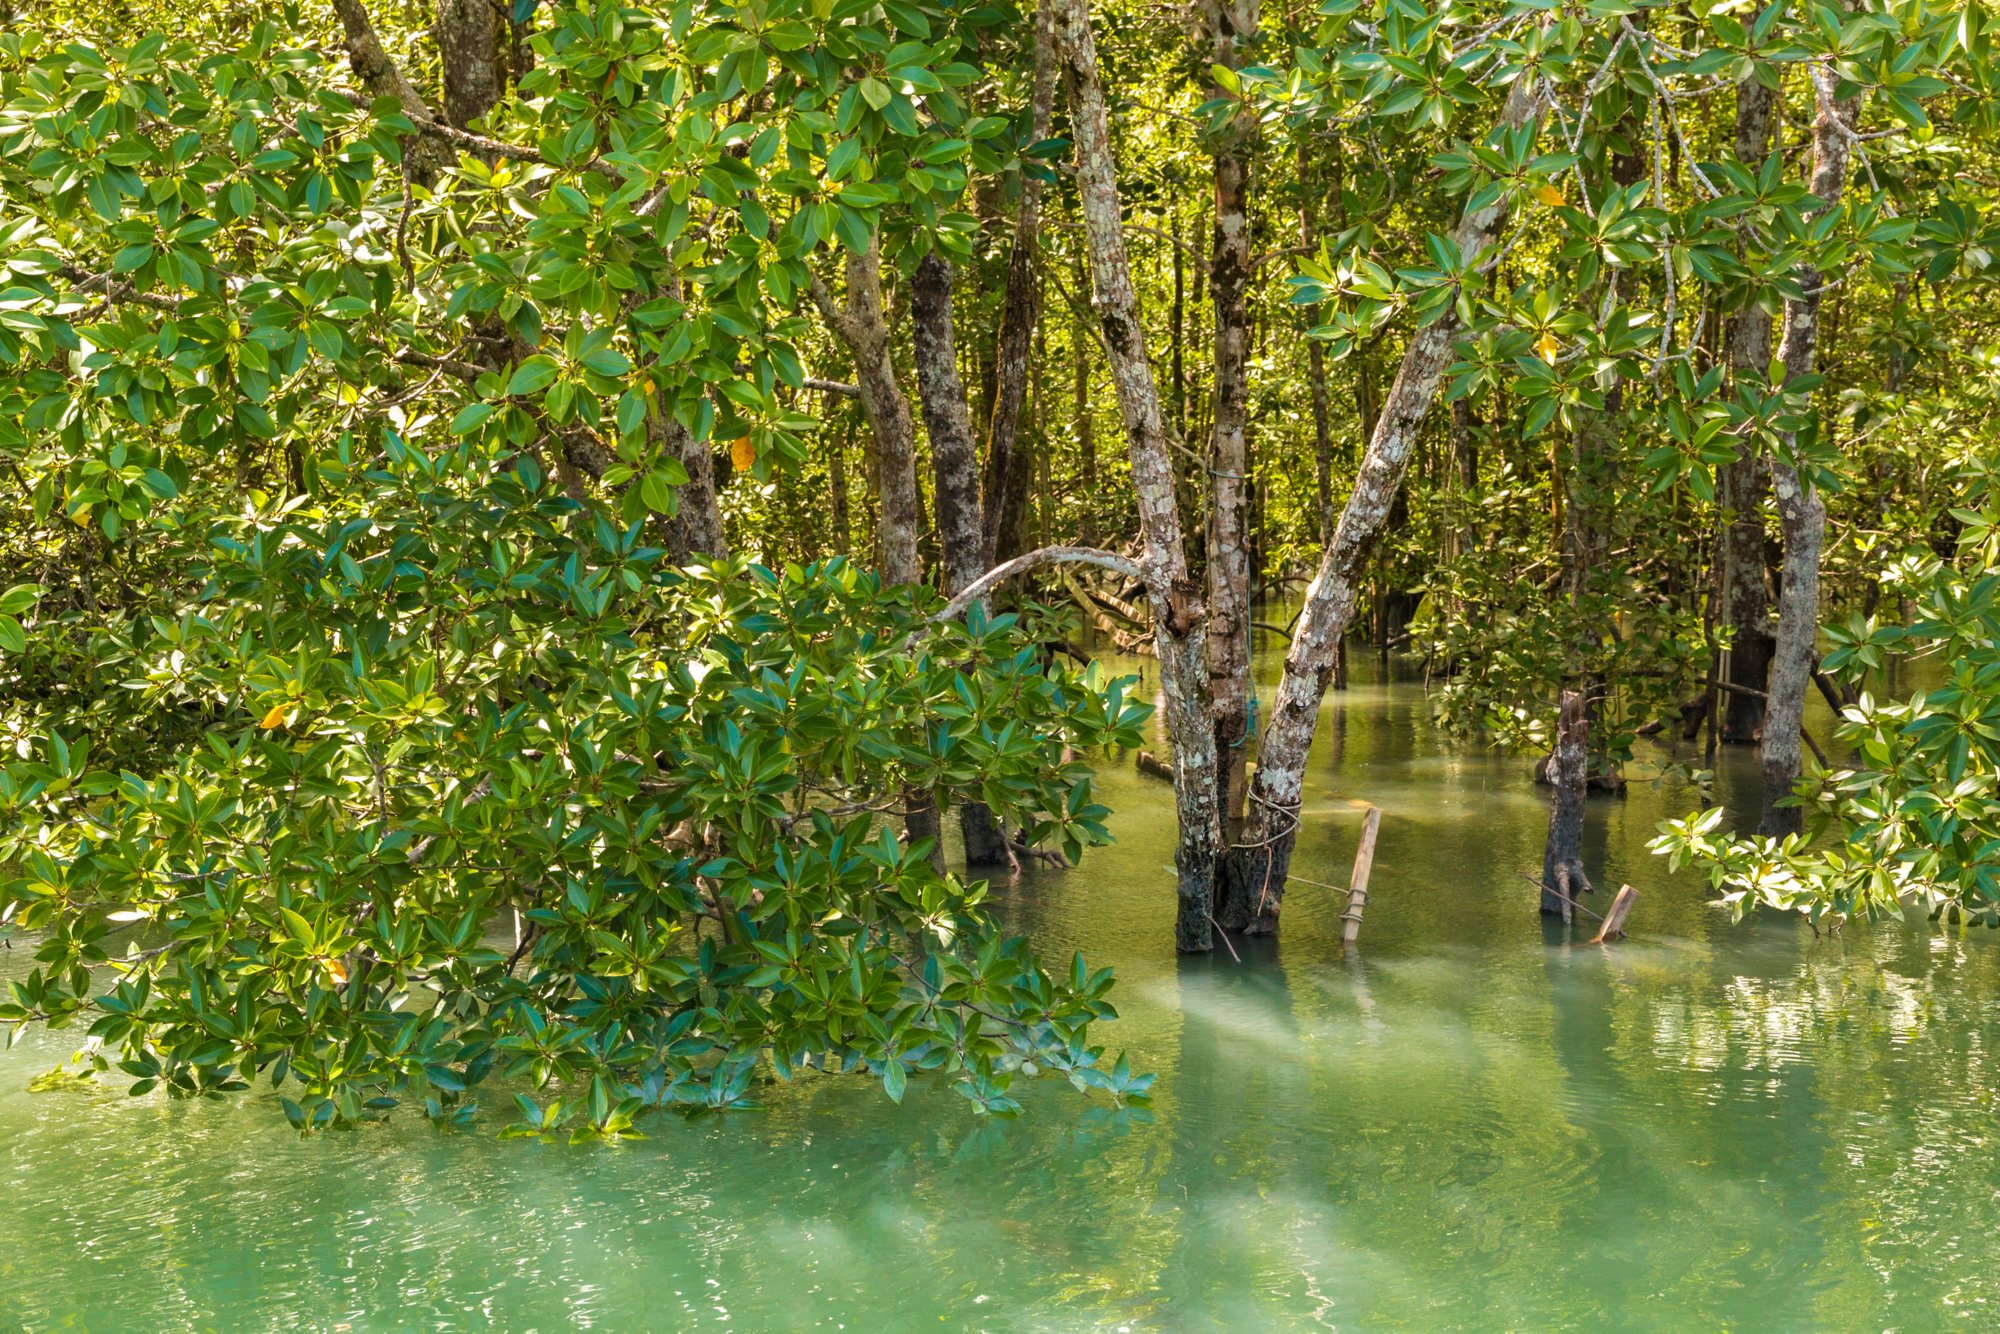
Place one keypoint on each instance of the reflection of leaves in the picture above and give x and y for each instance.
(63, 1080)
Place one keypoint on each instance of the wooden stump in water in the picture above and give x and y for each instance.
(1152, 765)
(1357, 885)
(1614, 921)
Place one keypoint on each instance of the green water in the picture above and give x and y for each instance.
(1466, 1124)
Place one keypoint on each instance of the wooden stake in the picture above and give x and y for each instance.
(1614, 921)
(1357, 888)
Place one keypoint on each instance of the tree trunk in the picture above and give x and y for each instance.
(1231, 26)
(380, 75)
(948, 422)
(1322, 410)
(468, 38)
(836, 481)
(1459, 537)
(1742, 602)
(1563, 878)
(1329, 606)
(1086, 429)
(955, 471)
(1584, 538)
(1179, 619)
(1177, 352)
(1801, 512)
(695, 527)
(861, 325)
(1020, 310)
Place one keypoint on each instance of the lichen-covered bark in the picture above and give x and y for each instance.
(955, 472)
(468, 38)
(695, 527)
(1801, 512)
(1329, 605)
(1742, 601)
(1179, 618)
(861, 325)
(948, 422)
(1004, 486)
(1231, 26)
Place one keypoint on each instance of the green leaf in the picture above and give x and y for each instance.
(470, 418)
(532, 376)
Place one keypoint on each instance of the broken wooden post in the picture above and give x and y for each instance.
(1357, 885)
(1614, 921)
(1149, 763)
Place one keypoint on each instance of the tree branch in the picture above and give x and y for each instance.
(1033, 560)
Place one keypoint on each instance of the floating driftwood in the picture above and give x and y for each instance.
(1151, 764)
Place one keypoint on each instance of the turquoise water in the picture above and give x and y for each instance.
(1467, 1123)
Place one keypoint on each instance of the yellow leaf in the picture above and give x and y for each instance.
(1551, 196)
(276, 717)
(743, 454)
(337, 968)
(1548, 347)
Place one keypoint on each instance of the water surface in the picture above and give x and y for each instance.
(1467, 1123)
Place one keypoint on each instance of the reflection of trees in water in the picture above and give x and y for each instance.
(1242, 1164)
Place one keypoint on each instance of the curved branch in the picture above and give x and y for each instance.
(1033, 560)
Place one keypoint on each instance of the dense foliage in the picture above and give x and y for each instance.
(371, 760)
(381, 401)
(438, 694)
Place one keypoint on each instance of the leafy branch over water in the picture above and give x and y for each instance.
(463, 779)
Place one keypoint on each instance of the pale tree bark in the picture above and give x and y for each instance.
(1742, 601)
(1801, 511)
(1272, 829)
(1232, 25)
(955, 470)
(1004, 489)
(1179, 618)
(861, 325)
(468, 38)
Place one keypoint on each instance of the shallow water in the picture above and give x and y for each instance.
(1467, 1123)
